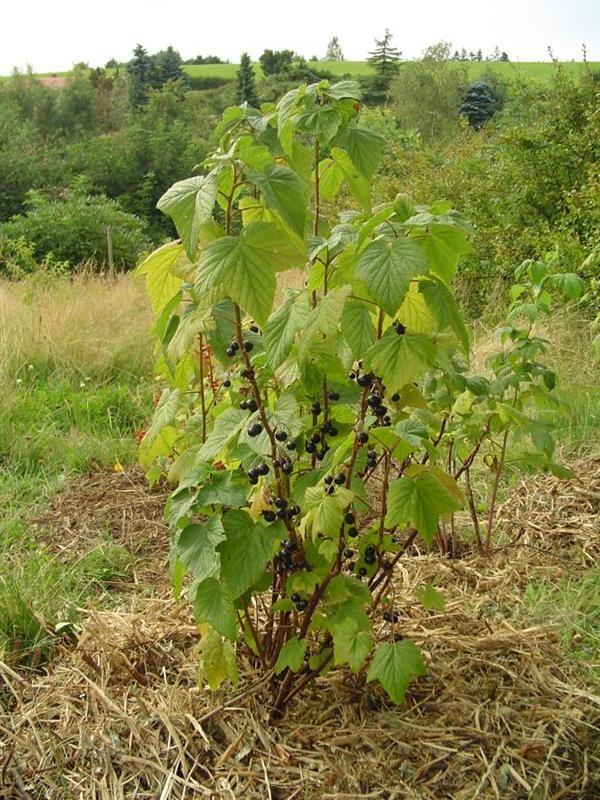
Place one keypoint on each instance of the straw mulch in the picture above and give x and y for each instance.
(502, 714)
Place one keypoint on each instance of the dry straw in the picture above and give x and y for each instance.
(502, 714)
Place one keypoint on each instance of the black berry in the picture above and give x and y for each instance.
(310, 447)
(248, 346)
(287, 467)
(230, 351)
(280, 502)
(395, 397)
(328, 479)
(340, 478)
(352, 376)
(281, 436)
(302, 605)
(365, 380)
(352, 532)
(295, 598)
(316, 409)
(333, 396)
(254, 328)
(227, 384)
(399, 328)
(373, 400)
(252, 405)
(263, 469)
(269, 516)
(255, 429)
(363, 437)
(349, 518)
(291, 445)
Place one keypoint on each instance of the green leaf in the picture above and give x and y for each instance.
(284, 191)
(570, 284)
(364, 147)
(420, 500)
(344, 89)
(400, 359)
(412, 431)
(430, 598)
(324, 318)
(291, 656)
(227, 426)
(350, 645)
(394, 665)
(387, 266)
(245, 266)
(196, 548)
(215, 605)
(282, 326)
(247, 548)
(445, 310)
(158, 267)
(359, 185)
(217, 660)
(322, 121)
(164, 414)
(444, 244)
(357, 327)
(331, 178)
(325, 511)
(190, 204)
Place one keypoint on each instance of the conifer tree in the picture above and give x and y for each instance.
(142, 72)
(246, 83)
(334, 50)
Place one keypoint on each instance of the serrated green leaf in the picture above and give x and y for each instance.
(412, 431)
(158, 267)
(322, 121)
(359, 185)
(342, 90)
(324, 318)
(190, 204)
(420, 500)
(283, 325)
(196, 548)
(227, 426)
(445, 310)
(350, 645)
(357, 327)
(291, 655)
(331, 178)
(444, 244)
(247, 548)
(214, 604)
(430, 598)
(245, 266)
(217, 660)
(400, 359)
(164, 414)
(364, 147)
(387, 266)
(570, 284)
(325, 511)
(394, 665)
(284, 192)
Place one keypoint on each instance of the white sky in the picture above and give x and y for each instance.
(54, 34)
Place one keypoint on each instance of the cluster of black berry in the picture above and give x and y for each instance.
(256, 472)
(331, 481)
(235, 346)
(300, 603)
(370, 556)
(350, 520)
(290, 557)
(249, 405)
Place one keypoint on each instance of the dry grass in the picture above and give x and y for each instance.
(502, 714)
(90, 326)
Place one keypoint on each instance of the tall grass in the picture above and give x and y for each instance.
(75, 329)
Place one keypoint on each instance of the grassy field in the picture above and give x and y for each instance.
(537, 70)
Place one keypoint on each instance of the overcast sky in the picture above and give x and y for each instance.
(54, 34)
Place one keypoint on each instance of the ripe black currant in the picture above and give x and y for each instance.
(294, 510)
(287, 467)
(280, 502)
(227, 383)
(247, 373)
(330, 489)
(352, 376)
(399, 328)
(321, 454)
(348, 553)
(281, 436)
(333, 431)
(291, 445)
(387, 421)
(248, 346)
(373, 400)
(362, 437)
(340, 478)
(263, 469)
(230, 351)
(333, 396)
(302, 605)
(254, 328)
(255, 429)
(362, 572)
(315, 438)
(295, 598)
(252, 405)
(269, 516)
(395, 397)
(380, 411)
(365, 380)
(349, 518)
(352, 532)
(310, 447)
(316, 409)
(328, 479)
(244, 405)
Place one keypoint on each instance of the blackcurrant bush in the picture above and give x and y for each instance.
(281, 436)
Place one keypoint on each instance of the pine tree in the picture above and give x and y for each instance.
(334, 50)
(479, 55)
(168, 64)
(479, 105)
(245, 91)
(504, 56)
(384, 57)
(142, 72)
